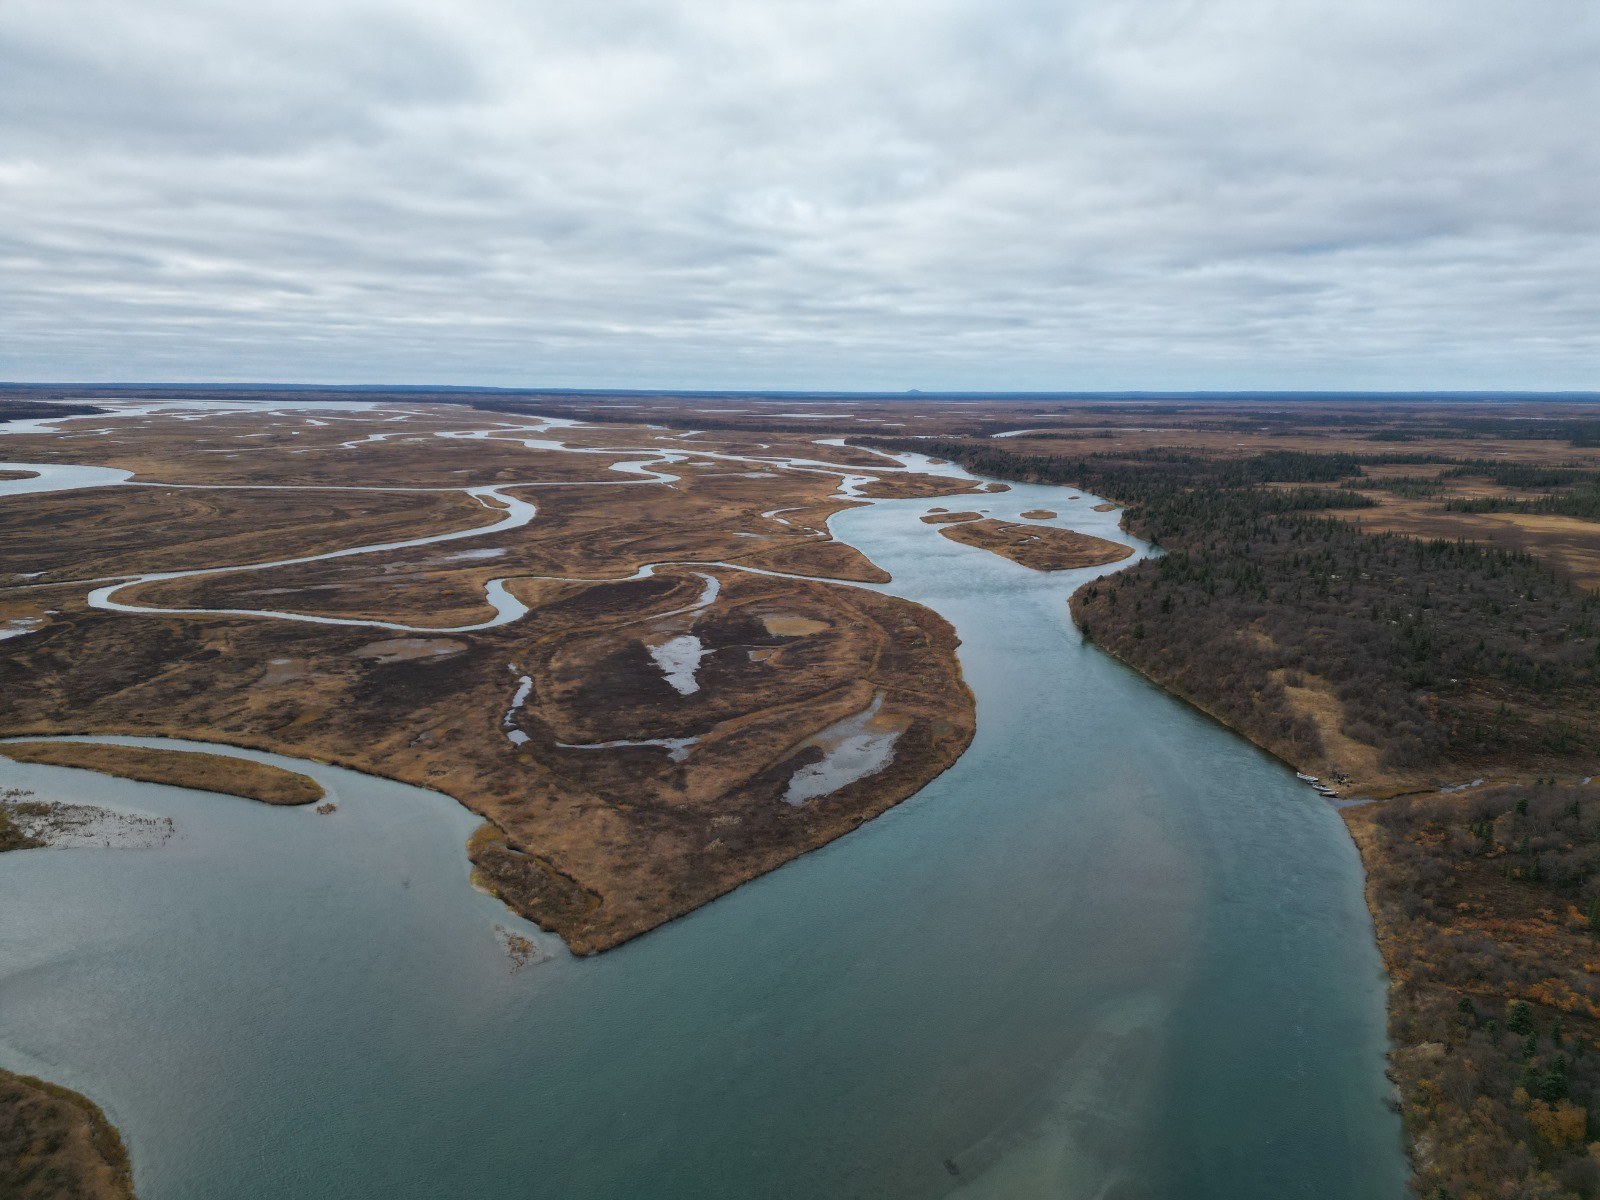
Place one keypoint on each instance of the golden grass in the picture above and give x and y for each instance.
(1570, 544)
(1041, 547)
(177, 768)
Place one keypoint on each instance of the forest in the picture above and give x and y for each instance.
(1487, 902)
(1446, 658)
(1440, 661)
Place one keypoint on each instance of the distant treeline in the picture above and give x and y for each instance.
(1573, 491)
(1381, 424)
(1396, 421)
(27, 410)
(1584, 503)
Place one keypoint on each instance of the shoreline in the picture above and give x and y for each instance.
(1394, 942)
(1446, 1071)
(870, 797)
(1355, 818)
(956, 757)
(720, 840)
(189, 769)
(60, 1138)
(535, 882)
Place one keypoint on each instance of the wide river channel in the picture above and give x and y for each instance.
(1114, 952)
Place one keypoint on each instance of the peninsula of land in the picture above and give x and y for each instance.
(639, 655)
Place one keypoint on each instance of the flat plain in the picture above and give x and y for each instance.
(618, 645)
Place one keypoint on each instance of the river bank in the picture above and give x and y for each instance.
(57, 1145)
(1110, 950)
(1265, 616)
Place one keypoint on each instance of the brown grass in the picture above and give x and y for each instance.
(177, 768)
(1569, 543)
(1041, 547)
(12, 838)
(57, 1145)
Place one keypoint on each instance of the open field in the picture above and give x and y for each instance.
(1570, 544)
(55, 536)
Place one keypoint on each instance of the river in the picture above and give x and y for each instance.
(1113, 952)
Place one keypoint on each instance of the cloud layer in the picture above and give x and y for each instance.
(803, 193)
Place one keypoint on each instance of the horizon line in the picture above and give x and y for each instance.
(757, 393)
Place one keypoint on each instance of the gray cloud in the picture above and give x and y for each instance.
(835, 193)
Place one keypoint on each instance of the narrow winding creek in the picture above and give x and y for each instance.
(1113, 952)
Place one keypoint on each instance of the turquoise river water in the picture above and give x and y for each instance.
(1114, 952)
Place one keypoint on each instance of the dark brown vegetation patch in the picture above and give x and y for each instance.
(1487, 903)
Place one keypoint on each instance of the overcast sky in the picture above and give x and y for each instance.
(859, 194)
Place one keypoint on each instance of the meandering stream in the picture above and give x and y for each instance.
(1113, 952)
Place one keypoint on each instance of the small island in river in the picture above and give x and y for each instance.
(1041, 547)
(177, 768)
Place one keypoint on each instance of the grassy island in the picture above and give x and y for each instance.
(1041, 547)
(177, 768)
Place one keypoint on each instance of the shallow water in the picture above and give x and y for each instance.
(55, 477)
(679, 659)
(852, 749)
(1114, 945)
